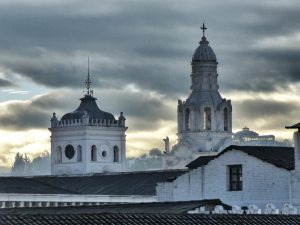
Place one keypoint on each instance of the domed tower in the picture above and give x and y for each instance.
(87, 140)
(205, 118)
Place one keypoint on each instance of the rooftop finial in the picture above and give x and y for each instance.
(203, 28)
(88, 81)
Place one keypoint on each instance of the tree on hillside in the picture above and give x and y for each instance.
(20, 165)
(151, 161)
(155, 153)
(41, 164)
(38, 166)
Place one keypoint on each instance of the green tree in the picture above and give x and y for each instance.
(20, 165)
(41, 164)
(155, 153)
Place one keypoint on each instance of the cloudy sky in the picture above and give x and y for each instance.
(140, 53)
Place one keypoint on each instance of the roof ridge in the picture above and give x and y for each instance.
(251, 151)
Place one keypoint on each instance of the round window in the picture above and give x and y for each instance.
(69, 151)
(104, 153)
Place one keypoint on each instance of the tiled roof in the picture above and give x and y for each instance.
(200, 161)
(295, 126)
(88, 104)
(282, 157)
(134, 183)
(149, 219)
(153, 207)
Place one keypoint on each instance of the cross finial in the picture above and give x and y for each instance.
(88, 65)
(203, 28)
(88, 81)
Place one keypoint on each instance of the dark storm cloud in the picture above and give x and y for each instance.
(22, 115)
(148, 77)
(50, 74)
(123, 39)
(141, 111)
(148, 43)
(266, 70)
(264, 108)
(265, 114)
(5, 83)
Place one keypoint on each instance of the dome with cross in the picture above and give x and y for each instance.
(204, 52)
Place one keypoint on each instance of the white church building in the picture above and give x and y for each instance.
(204, 118)
(88, 151)
(87, 140)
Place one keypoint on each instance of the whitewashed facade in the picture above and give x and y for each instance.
(87, 140)
(262, 182)
(295, 175)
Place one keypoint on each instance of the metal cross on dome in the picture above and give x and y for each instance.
(203, 28)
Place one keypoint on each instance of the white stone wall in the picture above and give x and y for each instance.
(262, 182)
(207, 141)
(295, 175)
(104, 138)
(75, 198)
(186, 187)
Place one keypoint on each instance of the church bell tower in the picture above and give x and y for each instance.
(87, 140)
(205, 118)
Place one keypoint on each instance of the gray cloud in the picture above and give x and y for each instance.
(147, 39)
(143, 112)
(149, 44)
(50, 74)
(265, 114)
(35, 113)
(265, 70)
(3, 160)
(23, 116)
(6, 83)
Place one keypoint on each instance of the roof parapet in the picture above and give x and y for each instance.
(90, 122)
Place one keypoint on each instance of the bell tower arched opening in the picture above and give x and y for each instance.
(207, 118)
(116, 154)
(225, 114)
(58, 155)
(93, 153)
(187, 119)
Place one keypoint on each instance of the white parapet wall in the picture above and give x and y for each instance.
(76, 198)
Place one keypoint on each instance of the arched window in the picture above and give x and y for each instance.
(225, 114)
(116, 153)
(207, 118)
(79, 153)
(187, 119)
(93, 153)
(58, 155)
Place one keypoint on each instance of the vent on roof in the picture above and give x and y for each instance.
(289, 209)
(271, 209)
(253, 209)
(219, 209)
(236, 210)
